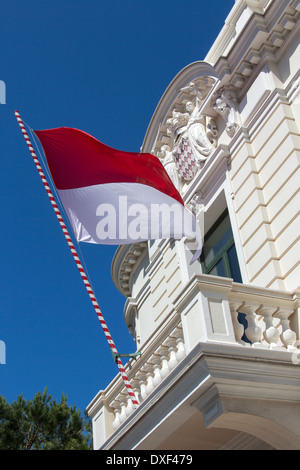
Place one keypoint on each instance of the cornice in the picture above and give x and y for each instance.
(98, 402)
(228, 34)
(262, 38)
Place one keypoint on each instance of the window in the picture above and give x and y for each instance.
(219, 254)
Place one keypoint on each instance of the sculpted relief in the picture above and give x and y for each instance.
(192, 135)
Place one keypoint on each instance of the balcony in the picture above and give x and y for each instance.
(208, 356)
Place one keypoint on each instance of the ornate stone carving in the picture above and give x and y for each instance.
(176, 124)
(201, 132)
(225, 102)
(193, 136)
(170, 166)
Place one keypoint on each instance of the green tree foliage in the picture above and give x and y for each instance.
(43, 424)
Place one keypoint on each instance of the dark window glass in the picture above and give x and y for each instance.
(219, 254)
(234, 264)
(218, 269)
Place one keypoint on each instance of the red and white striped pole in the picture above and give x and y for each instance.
(78, 263)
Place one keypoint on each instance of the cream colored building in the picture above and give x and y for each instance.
(220, 362)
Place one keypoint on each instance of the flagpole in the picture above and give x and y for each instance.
(89, 289)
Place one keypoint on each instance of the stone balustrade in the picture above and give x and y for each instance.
(148, 373)
(212, 308)
(208, 309)
(268, 317)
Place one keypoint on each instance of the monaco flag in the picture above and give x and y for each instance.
(114, 197)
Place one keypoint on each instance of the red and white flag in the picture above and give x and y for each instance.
(114, 197)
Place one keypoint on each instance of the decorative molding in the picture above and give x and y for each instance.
(123, 265)
(258, 6)
(262, 37)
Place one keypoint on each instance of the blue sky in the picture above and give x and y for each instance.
(100, 66)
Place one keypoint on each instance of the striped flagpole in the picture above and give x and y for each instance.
(78, 263)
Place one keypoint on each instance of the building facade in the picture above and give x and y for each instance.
(219, 339)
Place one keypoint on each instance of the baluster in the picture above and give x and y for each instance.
(129, 407)
(180, 353)
(172, 362)
(135, 383)
(143, 383)
(288, 336)
(156, 361)
(149, 384)
(271, 334)
(147, 379)
(164, 369)
(238, 328)
(253, 331)
(117, 411)
(123, 403)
